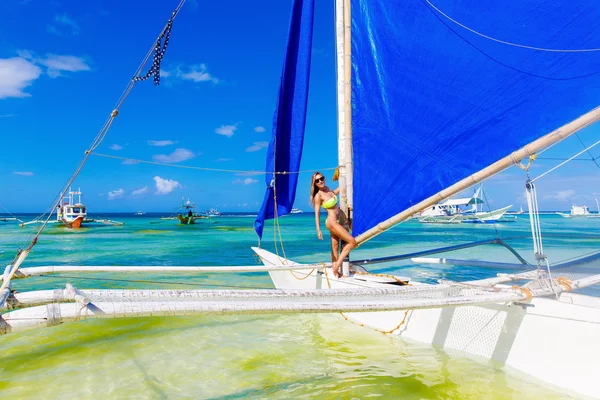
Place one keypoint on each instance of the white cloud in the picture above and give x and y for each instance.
(226, 130)
(16, 74)
(224, 159)
(23, 173)
(178, 155)
(56, 64)
(194, 73)
(247, 181)
(257, 146)
(160, 143)
(116, 147)
(7, 115)
(165, 186)
(130, 162)
(115, 194)
(139, 192)
(64, 25)
(259, 129)
(561, 195)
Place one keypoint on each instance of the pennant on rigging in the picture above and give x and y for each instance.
(160, 47)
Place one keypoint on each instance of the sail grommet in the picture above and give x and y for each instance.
(114, 113)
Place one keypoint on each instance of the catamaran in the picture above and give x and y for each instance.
(422, 80)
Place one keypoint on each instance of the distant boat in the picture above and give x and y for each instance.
(71, 212)
(213, 212)
(139, 213)
(188, 216)
(579, 212)
(450, 212)
(516, 212)
(296, 211)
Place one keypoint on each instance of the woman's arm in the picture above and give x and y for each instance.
(318, 216)
(336, 191)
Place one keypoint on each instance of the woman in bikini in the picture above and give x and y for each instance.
(321, 195)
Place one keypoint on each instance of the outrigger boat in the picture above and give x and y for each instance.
(452, 211)
(419, 84)
(188, 216)
(71, 213)
(579, 212)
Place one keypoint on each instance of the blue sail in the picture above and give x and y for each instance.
(442, 89)
(285, 148)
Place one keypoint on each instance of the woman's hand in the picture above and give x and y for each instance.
(320, 234)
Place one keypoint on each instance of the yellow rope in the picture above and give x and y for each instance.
(384, 276)
(525, 291)
(565, 283)
(359, 324)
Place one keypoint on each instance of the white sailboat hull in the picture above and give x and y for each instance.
(553, 341)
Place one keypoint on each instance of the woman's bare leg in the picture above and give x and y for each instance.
(336, 229)
(335, 248)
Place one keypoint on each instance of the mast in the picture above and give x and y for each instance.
(514, 158)
(344, 106)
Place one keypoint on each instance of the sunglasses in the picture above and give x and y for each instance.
(321, 179)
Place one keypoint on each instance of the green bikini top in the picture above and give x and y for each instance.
(329, 203)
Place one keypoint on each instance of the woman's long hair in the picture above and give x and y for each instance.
(313, 188)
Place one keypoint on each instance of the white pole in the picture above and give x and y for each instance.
(348, 106)
(339, 47)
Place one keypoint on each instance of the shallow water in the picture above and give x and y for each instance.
(297, 356)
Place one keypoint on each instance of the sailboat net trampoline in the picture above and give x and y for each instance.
(51, 307)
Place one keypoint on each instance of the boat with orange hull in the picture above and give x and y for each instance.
(71, 212)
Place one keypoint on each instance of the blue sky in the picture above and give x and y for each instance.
(63, 64)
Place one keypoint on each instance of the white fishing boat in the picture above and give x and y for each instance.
(296, 211)
(516, 212)
(188, 216)
(451, 89)
(71, 213)
(453, 211)
(579, 212)
(213, 212)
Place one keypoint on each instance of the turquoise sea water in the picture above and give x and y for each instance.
(319, 356)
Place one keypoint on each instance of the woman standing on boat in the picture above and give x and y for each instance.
(321, 195)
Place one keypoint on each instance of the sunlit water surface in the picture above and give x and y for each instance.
(297, 356)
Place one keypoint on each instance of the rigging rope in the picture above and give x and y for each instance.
(239, 171)
(584, 146)
(22, 254)
(506, 42)
(566, 161)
